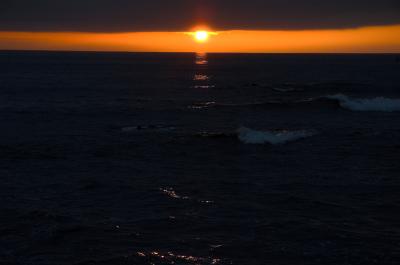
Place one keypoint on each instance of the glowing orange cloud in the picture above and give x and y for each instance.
(383, 39)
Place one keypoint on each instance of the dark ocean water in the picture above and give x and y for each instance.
(121, 158)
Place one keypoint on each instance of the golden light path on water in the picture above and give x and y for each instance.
(379, 39)
(201, 78)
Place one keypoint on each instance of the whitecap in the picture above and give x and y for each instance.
(367, 104)
(249, 136)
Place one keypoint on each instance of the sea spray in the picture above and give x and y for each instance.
(372, 104)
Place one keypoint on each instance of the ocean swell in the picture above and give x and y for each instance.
(249, 136)
(381, 104)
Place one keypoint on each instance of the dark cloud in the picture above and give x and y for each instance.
(180, 15)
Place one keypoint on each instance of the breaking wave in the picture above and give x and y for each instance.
(372, 104)
(249, 136)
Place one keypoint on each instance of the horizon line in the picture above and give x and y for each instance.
(194, 52)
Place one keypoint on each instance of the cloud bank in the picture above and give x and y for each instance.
(181, 15)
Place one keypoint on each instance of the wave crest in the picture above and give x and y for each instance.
(372, 104)
(381, 104)
(249, 136)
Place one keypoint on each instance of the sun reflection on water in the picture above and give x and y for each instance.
(201, 58)
(201, 78)
(172, 194)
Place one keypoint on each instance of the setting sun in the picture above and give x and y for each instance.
(201, 36)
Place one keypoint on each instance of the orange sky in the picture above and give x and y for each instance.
(383, 39)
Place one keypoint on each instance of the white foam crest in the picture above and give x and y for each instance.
(367, 104)
(249, 136)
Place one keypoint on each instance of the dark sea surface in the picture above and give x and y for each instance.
(124, 158)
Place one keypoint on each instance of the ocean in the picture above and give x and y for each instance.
(195, 159)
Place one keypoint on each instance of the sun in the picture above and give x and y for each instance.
(201, 36)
